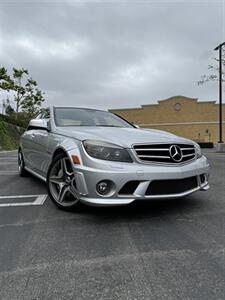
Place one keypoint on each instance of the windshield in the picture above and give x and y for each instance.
(87, 117)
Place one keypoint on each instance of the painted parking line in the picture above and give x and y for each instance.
(8, 172)
(8, 160)
(39, 200)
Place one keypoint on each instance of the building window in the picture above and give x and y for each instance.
(177, 106)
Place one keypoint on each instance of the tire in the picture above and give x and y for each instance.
(21, 164)
(61, 184)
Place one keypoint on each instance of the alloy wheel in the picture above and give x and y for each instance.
(62, 185)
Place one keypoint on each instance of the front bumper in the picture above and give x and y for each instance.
(120, 173)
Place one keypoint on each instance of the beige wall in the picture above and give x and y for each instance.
(193, 117)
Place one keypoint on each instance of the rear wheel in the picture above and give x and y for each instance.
(61, 183)
(21, 165)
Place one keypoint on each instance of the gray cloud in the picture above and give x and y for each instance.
(112, 54)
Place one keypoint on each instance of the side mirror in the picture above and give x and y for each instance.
(39, 124)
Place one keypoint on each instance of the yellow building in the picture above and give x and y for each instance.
(183, 116)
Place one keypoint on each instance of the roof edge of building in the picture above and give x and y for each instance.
(179, 97)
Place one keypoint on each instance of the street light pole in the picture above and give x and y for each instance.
(219, 47)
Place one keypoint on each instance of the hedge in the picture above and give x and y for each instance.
(9, 136)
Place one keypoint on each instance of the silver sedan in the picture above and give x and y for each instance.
(97, 158)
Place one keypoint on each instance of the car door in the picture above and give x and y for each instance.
(28, 147)
(41, 156)
(27, 142)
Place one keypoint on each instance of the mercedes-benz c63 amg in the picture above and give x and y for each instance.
(97, 158)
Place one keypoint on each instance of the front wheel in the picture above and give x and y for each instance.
(61, 184)
(21, 165)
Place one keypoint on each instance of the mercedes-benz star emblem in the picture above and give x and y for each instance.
(176, 153)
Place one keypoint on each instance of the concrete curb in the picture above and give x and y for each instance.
(220, 147)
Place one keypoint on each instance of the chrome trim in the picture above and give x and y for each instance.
(188, 143)
(155, 149)
(187, 148)
(187, 155)
(154, 156)
(137, 157)
(175, 151)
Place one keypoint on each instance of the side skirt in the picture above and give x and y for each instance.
(35, 174)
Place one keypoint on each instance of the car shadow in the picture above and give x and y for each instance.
(145, 209)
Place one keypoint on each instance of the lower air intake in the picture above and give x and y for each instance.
(129, 187)
(171, 186)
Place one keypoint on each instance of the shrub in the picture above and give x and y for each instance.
(9, 135)
(206, 144)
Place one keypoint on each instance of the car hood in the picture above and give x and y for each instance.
(124, 137)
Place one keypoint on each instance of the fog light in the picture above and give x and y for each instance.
(103, 187)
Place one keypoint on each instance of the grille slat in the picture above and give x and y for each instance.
(161, 153)
(187, 155)
(187, 149)
(153, 156)
(154, 149)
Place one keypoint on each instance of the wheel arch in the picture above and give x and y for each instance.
(58, 151)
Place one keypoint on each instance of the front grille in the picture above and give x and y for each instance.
(171, 186)
(161, 153)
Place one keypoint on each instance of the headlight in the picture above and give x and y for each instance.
(198, 150)
(106, 151)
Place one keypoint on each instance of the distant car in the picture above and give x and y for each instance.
(97, 158)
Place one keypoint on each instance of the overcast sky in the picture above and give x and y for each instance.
(112, 54)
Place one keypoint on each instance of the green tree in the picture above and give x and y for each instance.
(32, 99)
(214, 71)
(23, 89)
(6, 83)
(18, 87)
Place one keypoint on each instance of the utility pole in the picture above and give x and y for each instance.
(219, 47)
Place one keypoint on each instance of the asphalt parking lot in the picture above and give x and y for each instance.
(148, 250)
